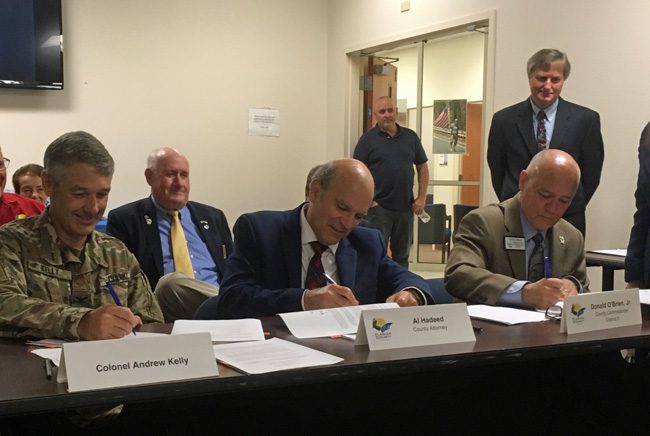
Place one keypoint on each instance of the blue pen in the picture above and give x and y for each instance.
(116, 299)
(547, 267)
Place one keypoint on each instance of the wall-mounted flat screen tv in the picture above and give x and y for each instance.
(31, 44)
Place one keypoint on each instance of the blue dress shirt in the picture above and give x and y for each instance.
(202, 263)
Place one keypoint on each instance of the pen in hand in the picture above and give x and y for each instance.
(116, 299)
(329, 279)
(547, 267)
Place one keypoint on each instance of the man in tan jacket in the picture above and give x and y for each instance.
(521, 253)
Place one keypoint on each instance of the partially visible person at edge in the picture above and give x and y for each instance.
(28, 182)
(14, 206)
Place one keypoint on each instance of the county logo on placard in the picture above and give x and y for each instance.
(382, 328)
(577, 311)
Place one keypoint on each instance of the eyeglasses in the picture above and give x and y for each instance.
(553, 313)
(4, 164)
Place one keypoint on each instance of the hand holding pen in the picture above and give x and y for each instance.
(116, 299)
(109, 321)
(331, 295)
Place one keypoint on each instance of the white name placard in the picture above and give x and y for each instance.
(600, 310)
(113, 363)
(400, 327)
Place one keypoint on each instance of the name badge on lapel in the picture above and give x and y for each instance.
(513, 243)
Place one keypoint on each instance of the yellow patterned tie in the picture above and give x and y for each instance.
(182, 262)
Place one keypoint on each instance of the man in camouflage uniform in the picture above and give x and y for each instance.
(54, 268)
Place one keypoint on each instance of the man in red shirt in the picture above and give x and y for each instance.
(14, 206)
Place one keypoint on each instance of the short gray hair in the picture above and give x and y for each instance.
(325, 174)
(76, 147)
(544, 58)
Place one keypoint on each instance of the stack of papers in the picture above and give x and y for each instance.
(505, 315)
(613, 252)
(232, 330)
(270, 355)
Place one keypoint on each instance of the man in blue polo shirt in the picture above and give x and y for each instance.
(390, 151)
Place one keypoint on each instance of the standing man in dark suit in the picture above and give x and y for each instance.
(314, 256)
(546, 121)
(146, 227)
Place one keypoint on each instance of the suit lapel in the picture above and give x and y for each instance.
(346, 263)
(202, 223)
(525, 126)
(562, 117)
(292, 249)
(512, 221)
(152, 235)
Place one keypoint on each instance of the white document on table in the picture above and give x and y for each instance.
(54, 352)
(504, 315)
(328, 322)
(644, 296)
(614, 251)
(271, 355)
(230, 330)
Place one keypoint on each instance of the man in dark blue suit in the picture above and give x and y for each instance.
(546, 121)
(270, 268)
(145, 227)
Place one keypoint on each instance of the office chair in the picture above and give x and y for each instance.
(460, 210)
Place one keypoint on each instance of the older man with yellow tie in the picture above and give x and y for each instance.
(181, 244)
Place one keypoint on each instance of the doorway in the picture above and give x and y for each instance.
(438, 83)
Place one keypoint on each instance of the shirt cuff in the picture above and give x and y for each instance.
(422, 299)
(512, 296)
(302, 299)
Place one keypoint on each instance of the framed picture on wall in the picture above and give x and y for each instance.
(449, 126)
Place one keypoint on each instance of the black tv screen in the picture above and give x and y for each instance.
(31, 44)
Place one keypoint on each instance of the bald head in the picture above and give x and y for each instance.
(168, 174)
(340, 195)
(547, 187)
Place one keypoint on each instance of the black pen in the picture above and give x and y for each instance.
(47, 364)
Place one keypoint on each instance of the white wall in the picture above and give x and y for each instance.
(605, 43)
(143, 74)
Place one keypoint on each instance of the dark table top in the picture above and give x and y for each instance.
(607, 260)
(25, 388)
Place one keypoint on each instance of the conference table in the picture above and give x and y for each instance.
(522, 368)
(609, 263)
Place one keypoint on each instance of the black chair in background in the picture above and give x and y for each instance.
(460, 210)
(438, 230)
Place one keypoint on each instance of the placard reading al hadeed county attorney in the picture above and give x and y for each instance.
(112, 363)
(384, 329)
(600, 310)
